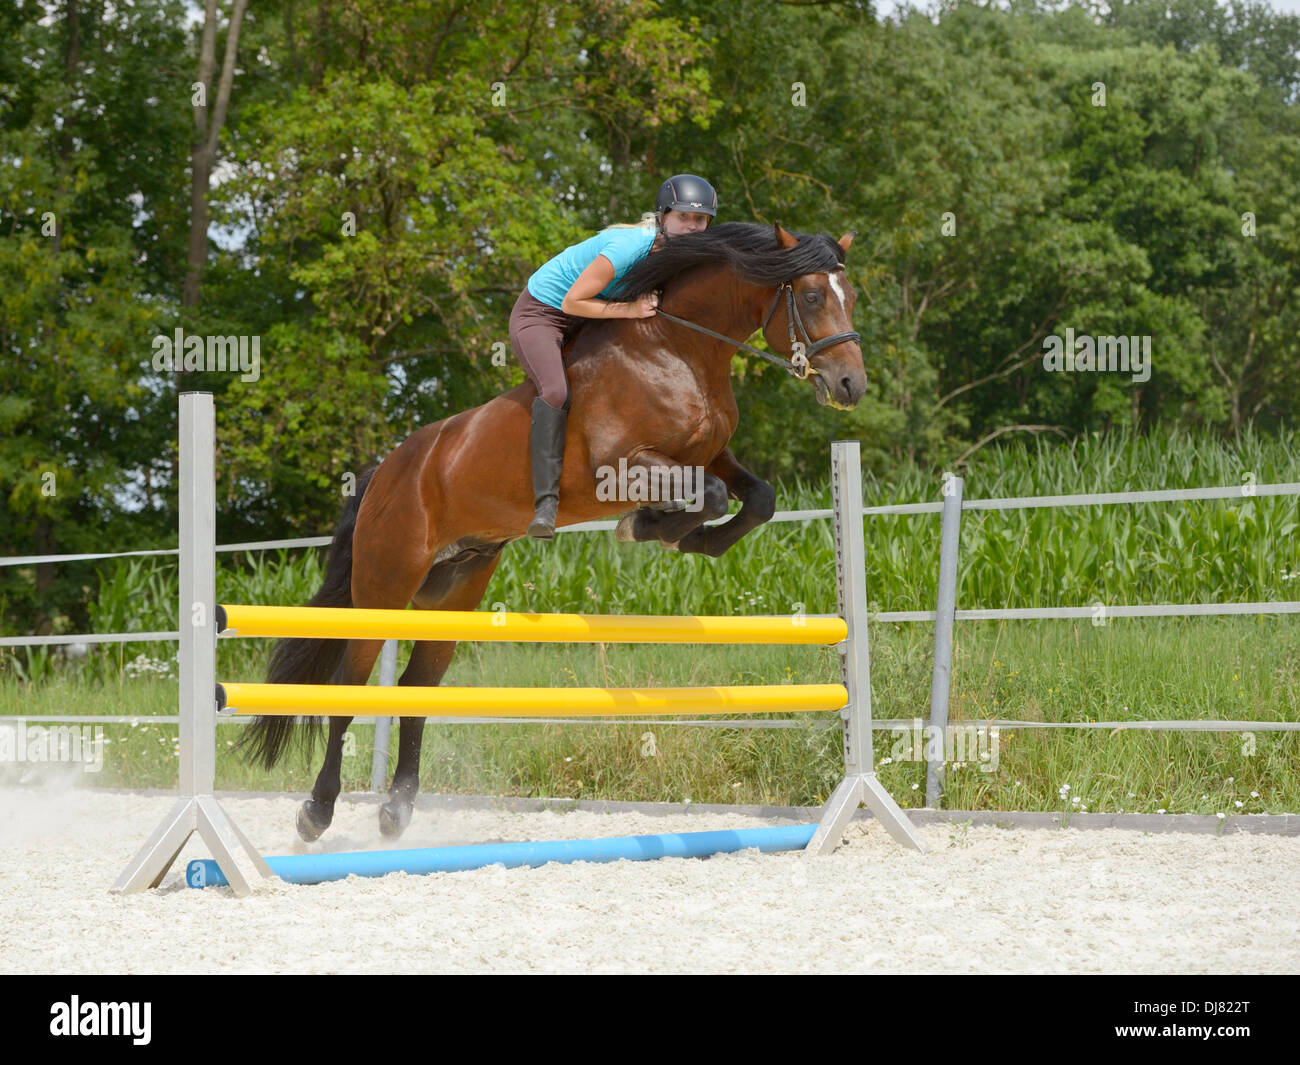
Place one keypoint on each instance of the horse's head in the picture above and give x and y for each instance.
(810, 321)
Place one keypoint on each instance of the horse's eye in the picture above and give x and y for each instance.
(813, 297)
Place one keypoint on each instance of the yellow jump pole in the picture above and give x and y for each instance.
(345, 623)
(360, 700)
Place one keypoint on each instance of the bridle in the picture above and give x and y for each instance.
(801, 351)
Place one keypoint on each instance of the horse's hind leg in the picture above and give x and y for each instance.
(395, 814)
(450, 586)
(316, 813)
(429, 661)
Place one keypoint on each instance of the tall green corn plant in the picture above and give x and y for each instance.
(133, 595)
(285, 578)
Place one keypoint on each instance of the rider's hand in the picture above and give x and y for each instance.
(644, 307)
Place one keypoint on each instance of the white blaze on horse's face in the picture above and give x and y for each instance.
(825, 395)
(839, 290)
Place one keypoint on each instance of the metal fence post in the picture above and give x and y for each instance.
(946, 608)
(383, 725)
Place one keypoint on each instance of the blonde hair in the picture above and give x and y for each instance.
(650, 218)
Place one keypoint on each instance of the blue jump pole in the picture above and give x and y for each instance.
(318, 868)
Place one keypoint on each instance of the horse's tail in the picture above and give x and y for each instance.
(309, 660)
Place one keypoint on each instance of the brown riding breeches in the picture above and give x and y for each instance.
(538, 333)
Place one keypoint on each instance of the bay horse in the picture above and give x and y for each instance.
(427, 526)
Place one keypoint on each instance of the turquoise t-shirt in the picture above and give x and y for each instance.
(622, 247)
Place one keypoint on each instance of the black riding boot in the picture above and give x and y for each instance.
(546, 447)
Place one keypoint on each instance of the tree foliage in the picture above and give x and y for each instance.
(388, 176)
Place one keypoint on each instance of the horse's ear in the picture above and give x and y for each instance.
(847, 239)
(782, 237)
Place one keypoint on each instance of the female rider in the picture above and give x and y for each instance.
(571, 287)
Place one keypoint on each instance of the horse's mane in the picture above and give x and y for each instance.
(749, 248)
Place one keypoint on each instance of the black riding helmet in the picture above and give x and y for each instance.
(686, 192)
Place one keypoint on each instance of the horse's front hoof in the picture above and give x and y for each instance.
(310, 824)
(393, 819)
(669, 547)
(624, 530)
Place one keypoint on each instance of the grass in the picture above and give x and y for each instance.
(1242, 549)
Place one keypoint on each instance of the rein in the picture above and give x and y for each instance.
(800, 351)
